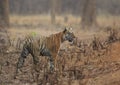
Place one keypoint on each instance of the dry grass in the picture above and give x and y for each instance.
(43, 19)
(72, 20)
(39, 23)
(109, 20)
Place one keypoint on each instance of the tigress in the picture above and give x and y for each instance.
(44, 46)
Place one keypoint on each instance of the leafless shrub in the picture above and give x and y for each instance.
(96, 44)
(113, 36)
(77, 42)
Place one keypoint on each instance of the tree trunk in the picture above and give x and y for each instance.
(58, 7)
(89, 14)
(4, 13)
(53, 13)
(4, 23)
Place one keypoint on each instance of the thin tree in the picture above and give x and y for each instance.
(4, 13)
(53, 11)
(88, 13)
(58, 7)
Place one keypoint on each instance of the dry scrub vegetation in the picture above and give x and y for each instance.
(93, 58)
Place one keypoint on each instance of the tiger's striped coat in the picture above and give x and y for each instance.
(44, 46)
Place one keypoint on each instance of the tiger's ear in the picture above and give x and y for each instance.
(65, 30)
(70, 28)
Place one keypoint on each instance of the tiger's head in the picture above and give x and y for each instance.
(68, 35)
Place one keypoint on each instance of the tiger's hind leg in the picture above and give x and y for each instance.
(35, 68)
(21, 60)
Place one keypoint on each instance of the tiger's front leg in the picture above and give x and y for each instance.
(47, 53)
(54, 60)
(51, 64)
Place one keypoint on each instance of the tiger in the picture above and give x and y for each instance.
(44, 46)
